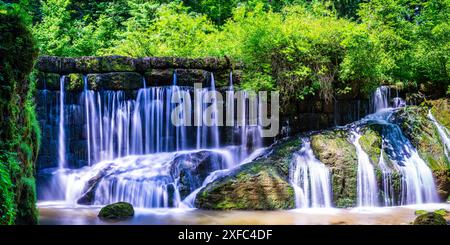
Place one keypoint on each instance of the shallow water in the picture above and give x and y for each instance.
(54, 213)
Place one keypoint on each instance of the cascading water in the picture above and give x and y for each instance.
(388, 190)
(417, 184)
(443, 134)
(367, 189)
(310, 179)
(62, 138)
(135, 154)
(380, 98)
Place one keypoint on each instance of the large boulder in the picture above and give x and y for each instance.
(430, 218)
(334, 150)
(193, 168)
(260, 185)
(119, 210)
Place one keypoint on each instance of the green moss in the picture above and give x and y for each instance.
(416, 125)
(430, 218)
(259, 185)
(75, 82)
(19, 129)
(441, 111)
(370, 142)
(117, 210)
(334, 150)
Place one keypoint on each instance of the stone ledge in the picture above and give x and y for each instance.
(105, 64)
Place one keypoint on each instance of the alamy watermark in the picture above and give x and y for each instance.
(242, 108)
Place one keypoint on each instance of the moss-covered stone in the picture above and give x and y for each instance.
(430, 218)
(159, 77)
(335, 151)
(262, 184)
(119, 210)
(115, 81)
(74, 82)
(416, 125)
(371, 141)
(441, 111)
(117, 64)
(442, 179)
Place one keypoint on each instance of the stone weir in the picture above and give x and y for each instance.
(126, 73)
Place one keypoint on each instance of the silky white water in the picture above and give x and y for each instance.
(443, 134)
(310, 179)
(61, 137)
(367, 189)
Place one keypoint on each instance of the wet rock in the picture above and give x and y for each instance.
(430, 218)
(260, 185)
(441, 111)
(49, 64)
(187, 77)
(74, 82)
(117, 64)
(88, 196)
(193, 169)
(115, 81)
(49, 81)
(119, 210)
(159, 77)
(88, 64)
(442, 179)
(371, 141)
(334, 150)
(420, 130)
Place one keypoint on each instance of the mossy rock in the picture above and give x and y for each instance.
(442, 179)
(441, 111)
(117, 64)
(119, 210)
(430, 218)
(115, 81)
(415, 124)
(334, 150)
(371, 142)
(259, 185)
(74, 82)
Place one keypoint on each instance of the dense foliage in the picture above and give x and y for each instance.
(19, 129)
(300, 47)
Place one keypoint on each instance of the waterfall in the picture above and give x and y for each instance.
(443, 134)
(310, 179)
(380, 98)
(388, 189)
(61, 137)
(134, 153)
(417, 184)
(367, 190)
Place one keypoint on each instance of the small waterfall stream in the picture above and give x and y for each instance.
(310, 179)
(443, 134)
(388, 190)
(62, 137)
(367, 189)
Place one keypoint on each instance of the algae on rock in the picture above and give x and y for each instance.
(334, 150)
(259, 185)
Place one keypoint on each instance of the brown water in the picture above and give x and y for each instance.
(60, 213)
